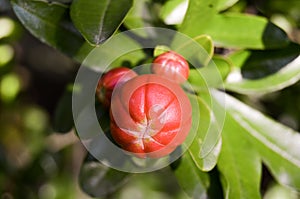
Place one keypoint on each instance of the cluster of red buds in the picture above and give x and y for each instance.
(150, 114)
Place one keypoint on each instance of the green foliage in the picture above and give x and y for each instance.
(244, 53)
(97, 21)
(51, 23)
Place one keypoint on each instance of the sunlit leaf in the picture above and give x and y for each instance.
(285, 77)
(216, 71)
(205, 126)
(238, 30)
(200, 49)
(224, 4)
(277, 144)
(239, 163)
(198, 17)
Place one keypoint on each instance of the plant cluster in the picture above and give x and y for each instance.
(150, 113)
(251, 58)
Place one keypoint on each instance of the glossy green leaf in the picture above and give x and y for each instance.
(193, 181)
(200, 49)
(246, 31)
(224, 65)
(50, 23)
(98, 180)
(216, 71)
(277, 144)
(115, 54)
(238, 31)
(239, 163)
(197, 81)
(262, 63)
(199, 16)
(285, 77)
(205, 126)
(225, 4)
(212, 75)
(98, 20)
(238, 58)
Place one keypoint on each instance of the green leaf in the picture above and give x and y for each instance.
(246, 31)
(197, 81)
(238, 31)
(262, 63)
(285, 77)
(205, 126)
(199, 15)
(98, 180)
(277, 144)
(50, 23)
(98, 20)
(238, 58)
(115, 54)
(193, 181)
(216, 71)
(200, 49)
(224, 65)
(239, 163)
(225, 4)
(212, 75)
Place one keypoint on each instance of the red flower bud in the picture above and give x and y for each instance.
(109, 80)
(171, 65)
(150, 116)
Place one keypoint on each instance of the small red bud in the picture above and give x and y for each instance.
(171, 65)
(109, 80)
(150, 116)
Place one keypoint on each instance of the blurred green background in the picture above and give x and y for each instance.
(36, 161)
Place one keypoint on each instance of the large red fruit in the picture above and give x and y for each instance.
(150, 116)
(171, 65)
(109, 80)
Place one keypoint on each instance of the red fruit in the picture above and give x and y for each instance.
(108, 82)
(150, 116)
(171, 65)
